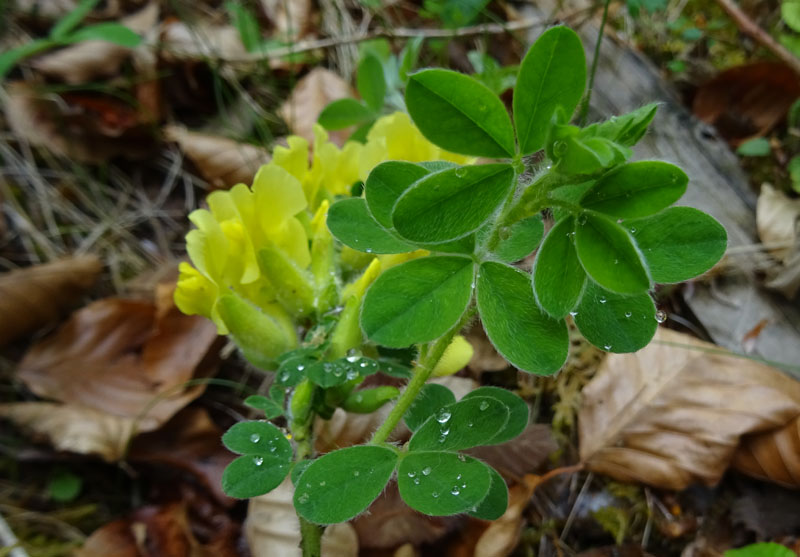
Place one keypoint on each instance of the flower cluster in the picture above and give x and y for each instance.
(266, 248)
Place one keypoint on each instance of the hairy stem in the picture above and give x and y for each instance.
(421, 373)
(310, 534)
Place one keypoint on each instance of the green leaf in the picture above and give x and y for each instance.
(436, 166)
(247, 25)
(9, 58)
(459, 114)
(298, 469)
(394, 369)
(73, 18)
(350, 222)
(108, 32)
(455, 13)
(462, 425)
(367, 401)
(417, 301)
(521, 332)
(370, 82)
(552, 74)
(430, 400)
(409, 57)
(292, 369)
(794, 172)
(608, 255)
(637, 189)
(265, 462)
(496, 501)
(64, 486)
(762, 549)
(441, 483)
(519, 240)
(758, 147)
(453, 203)
(341, 484)
(337, 372)
(679, 243)
(518, 414)
(386, 183)
(270, 407)
(558, 277)
(614, 322)
(259, 336)
(344, 113)
(627, 129)
(790, 13)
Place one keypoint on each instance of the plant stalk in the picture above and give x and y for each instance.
(421, 373)
(593, 71)
(310, 533)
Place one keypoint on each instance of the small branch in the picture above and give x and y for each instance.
(397, 33)
(751, 28)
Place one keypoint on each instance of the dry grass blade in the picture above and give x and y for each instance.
(36, 296)
(772, 455)
(673, 413)
(222, 161)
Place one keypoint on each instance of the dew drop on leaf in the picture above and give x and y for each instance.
(628, 314)
(661, 316)
(603, 299)
(426, 471)
(443, 417)
(461, 172)
(258, 461)
(255, 438)
(483, 406)
(435, 494)
(455, 490)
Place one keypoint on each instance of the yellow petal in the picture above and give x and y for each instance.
(293, 159)
(456, 356)
(291, 238)
(195, 294)
(278, 197)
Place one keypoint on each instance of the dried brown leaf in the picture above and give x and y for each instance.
(200, 41)
(521, 455)
(777, 218)
(36, 296)
(674, 412)
(89, 60)
(772, 455)
(311, 94)
(120, 366)
(272, 529)
(484, 356)
(747, 101)
(292, 20)
(502, 535)
(222, 161)
(171, 530)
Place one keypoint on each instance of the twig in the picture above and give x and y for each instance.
(751, 28)
(396, 33)
(573, 512)
(9, 540)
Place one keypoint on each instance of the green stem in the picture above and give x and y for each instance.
(310, 533)
(422, 372)
(585, 106)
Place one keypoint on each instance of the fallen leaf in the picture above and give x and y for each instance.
(777, 218)
(521, 455)
(200, 41)
(272, 528)
(502, 535)
(222, 161)
(312, 93)
(772, 455)
(168, 530)
(785, 278)
(484, 357)
(291, 19)
(90, 60)
(747, 101)
(36, 296)
(88, 126)
(674, 412)
(190, 442)
(120, 366)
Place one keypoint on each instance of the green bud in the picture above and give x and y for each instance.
(322, 260)
(293, 287)
(300, 406)
(261, 335)
(369, 400)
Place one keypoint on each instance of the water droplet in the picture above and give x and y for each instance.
(607, 347)
(462, 458)
(363, 364)
(458, 477)
(352, 374)
(303, 498)
(337, 371)
(443, 416)
(616, 262)
(368, 250)
(301, 367)
(445, 432)
(255, 438)
(633, 231)
(628, 314)
(416, 481)
(258, 461)
(426, 471)
(359, 398)
(504, 233)
(284, 377)
(353, 359)
(603, 299)
(322, 484)
(326, 367)
(412, 474)
(455, 490)
(461, 172)
(356, 473)
(573, 313)
(435, 494)
(483, 406)
(470, 424)
(661, 316)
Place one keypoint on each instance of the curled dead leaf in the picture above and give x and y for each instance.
(36, 296)
(222, 161)
(747, 101)
(312, 93)
(772, 455)
(89, 60)
(674, 412)
(120, 366)
(272, 529)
